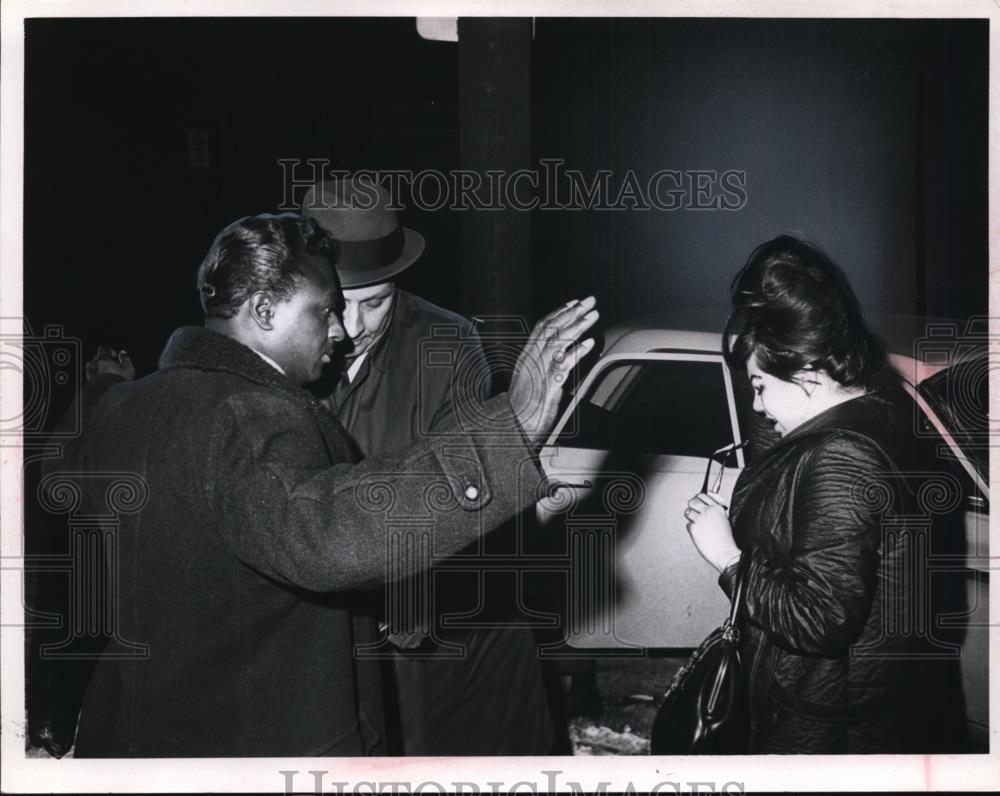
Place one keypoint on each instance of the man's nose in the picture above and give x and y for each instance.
(758, 404)
(335, 330)
(352, 322)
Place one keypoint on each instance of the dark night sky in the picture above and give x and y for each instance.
(117, 216)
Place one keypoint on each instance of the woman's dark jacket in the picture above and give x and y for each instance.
(837, 540)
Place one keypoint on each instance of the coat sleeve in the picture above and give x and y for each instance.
(294, 518)
(818, 598)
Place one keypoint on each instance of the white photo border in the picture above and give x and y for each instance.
(490, 775)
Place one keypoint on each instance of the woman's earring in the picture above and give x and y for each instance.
(808, 386)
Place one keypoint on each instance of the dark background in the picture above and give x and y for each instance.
(145, 137)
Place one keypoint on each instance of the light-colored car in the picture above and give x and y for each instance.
(633, 445)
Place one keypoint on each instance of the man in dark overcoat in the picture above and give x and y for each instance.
(239, 526)
(408, 367)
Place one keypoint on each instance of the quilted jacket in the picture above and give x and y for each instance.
(838, 519)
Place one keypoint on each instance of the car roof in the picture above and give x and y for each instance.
(920, 342)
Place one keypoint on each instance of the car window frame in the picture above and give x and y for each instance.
(948, 438)
(612, 360)
(912, 374)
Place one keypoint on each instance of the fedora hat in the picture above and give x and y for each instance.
(358, 214)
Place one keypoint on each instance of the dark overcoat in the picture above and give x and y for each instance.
(235, 573)
(428, 363)
(427, 368)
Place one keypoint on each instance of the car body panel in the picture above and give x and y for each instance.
(639, 582)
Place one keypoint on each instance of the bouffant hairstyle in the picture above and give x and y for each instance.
(793, 307)
(264, 252)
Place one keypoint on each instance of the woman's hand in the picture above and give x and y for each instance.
(708, 524)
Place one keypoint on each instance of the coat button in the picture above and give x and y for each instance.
(472, 492)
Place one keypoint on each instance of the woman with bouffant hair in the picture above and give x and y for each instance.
(825, 641)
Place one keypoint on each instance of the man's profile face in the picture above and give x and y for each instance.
(366, 315)
(306, 325)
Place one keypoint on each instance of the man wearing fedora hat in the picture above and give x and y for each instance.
(391, 392)
(385, 398)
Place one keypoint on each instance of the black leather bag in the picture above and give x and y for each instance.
(705, 710)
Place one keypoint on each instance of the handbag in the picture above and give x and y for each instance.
(706, 708)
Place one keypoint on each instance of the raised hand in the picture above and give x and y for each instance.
(108, 360)
(551, 352)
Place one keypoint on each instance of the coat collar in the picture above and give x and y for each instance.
(198, 348)
(203, 349)
(871, 414)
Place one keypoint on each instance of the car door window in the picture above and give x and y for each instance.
(653, 406)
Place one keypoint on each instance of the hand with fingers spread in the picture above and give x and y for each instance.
(109, 360)
(708, 524)
(552, 351)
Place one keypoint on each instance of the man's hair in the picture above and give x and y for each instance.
(264, 252)
(793, 307)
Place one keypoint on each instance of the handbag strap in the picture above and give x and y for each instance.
(738, 584)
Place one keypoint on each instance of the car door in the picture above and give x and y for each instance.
(626, 456)
(954, 403)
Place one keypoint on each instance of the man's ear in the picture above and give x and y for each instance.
(262, 309)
